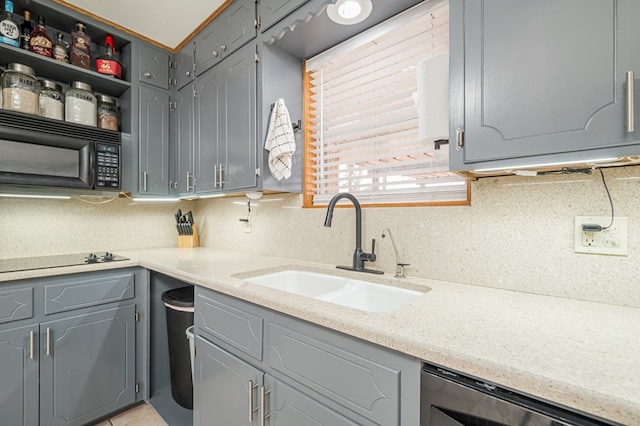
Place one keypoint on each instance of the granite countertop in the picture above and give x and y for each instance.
(583, 355)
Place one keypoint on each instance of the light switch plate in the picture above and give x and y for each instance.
(611, 241)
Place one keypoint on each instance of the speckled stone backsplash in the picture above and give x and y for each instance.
(517, 234)
(30, 227)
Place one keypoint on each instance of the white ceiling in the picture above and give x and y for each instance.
(167, 22)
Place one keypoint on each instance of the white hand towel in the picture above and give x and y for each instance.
(281, 142)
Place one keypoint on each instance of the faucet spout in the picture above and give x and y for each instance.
(359, 257)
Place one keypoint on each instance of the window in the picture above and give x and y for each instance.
(364, 128)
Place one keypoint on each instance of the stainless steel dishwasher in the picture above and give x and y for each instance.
(451, 399)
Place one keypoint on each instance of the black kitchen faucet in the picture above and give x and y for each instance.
(359, 257)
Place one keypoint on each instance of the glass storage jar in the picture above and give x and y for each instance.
(51, 100)
(80, 104)
(20, 89)
(107, 113)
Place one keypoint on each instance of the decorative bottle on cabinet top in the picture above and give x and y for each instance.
(9, 30)
(108, 61)
(40, 42)
(80, 47)
(25, 31)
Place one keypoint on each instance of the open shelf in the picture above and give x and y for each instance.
(65, 73)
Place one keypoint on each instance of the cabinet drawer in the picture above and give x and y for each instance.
(360, 384)
(16, 304)
(229, 324)
(70, 294)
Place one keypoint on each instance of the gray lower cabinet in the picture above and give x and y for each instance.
(19, 389)
(224, 387)
(87, 366)
(538, 82)
(261, 364)
(68, 348)
(153, 178)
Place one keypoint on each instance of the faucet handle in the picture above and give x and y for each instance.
(370, 257)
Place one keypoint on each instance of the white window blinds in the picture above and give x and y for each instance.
(365, 136)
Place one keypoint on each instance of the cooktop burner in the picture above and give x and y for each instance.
(56, 261)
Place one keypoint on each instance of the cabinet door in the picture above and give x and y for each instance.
(208, 129)
(238, 21)
(19, 376)
(154, 142)
(153, 66)
(287, 406)
(223, 387)
(271, 11)
(184, 66)
(87, 366)
(183, 139)
(229, 31)
(545, 77)
(239, 112)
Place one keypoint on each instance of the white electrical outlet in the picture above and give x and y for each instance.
(610, 241)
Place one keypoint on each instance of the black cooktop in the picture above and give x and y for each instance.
(57, 261)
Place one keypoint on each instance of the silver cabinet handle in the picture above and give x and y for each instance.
(189, 187)
(188, 73)
(215, 175)
(631, 126)
(48, 341)
(459, 139)
(147, 74)
(223, 47)
(221, 170)
(251, 409)
(262, 409)
(144, 181)
(31, 337)
(215, 53)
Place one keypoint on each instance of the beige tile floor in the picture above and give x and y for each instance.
(140, 415)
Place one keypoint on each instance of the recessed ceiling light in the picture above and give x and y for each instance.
(349, 12)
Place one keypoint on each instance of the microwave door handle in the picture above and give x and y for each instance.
(92, 165)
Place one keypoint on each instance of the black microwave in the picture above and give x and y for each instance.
(45, 152)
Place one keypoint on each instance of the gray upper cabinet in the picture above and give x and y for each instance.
(234, 27)
(184, 66)
(225, 124)
(153, 178)
(182, 127)
(536, 82)
(271, 11)
(73, 352)
(153, 66)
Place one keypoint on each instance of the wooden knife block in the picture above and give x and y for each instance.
(189, 241)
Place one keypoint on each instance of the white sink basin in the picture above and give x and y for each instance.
(357, 294)
(371, 297)
(310, 284)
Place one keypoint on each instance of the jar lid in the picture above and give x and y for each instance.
(21, 68)
(106, 99)
(50, 85)
(82, 86)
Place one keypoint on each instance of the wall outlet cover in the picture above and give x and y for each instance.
(610, 241)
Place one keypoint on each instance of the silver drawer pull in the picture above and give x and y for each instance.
(631, 125)
(147, 74)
